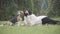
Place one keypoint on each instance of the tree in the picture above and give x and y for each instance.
(54, 9)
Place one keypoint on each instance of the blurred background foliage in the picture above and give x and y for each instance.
(9, 8)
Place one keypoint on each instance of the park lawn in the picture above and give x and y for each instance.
(45, 29)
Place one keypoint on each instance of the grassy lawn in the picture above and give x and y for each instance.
(50, 29)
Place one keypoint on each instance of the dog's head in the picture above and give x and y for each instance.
(27, 12)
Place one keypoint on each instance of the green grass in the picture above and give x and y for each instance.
(50, 29)
(56, 18)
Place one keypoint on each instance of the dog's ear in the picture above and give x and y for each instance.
(30, 11)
